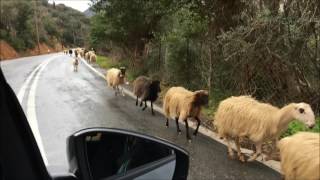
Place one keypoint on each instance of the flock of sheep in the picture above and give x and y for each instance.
(90, 56)
(236, 118)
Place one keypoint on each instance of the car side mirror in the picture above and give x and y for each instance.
(102, 153)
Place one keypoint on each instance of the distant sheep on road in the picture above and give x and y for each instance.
(243, 116)
(93, 57)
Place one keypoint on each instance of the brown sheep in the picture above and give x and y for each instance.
(147, 90)
(181, 104)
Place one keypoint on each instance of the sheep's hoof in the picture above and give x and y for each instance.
(179, 132)
(231, 155)
(251, 159)
(242, 158)
(195, 134)
(153, 113)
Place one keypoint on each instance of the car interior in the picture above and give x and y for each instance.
(20, 157)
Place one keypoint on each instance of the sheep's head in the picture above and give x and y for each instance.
(122, 72)
(201, 98)
(304, 113)
(155, 86)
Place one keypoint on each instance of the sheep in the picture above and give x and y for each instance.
(93, 57)
(181, 104)
(75, 64)
(81, 52)
(87, 55)
(147, 90)
(116, 77)
(243, 116)
(300, 157)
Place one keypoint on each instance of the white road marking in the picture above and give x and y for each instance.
(26, 83)
(275, 165)
(31, 112)
(31, 107)
(92, 69)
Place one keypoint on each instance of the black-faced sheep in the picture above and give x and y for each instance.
(243, 116)
(181, 104)
(147, 90)
(116, 77)
(300, 156)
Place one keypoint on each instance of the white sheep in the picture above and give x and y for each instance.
(116, 77)
(75, 64)
(81, 52)
(243, 116)
(93, 57)
(300, 156)
(181, 104)
(87, 55)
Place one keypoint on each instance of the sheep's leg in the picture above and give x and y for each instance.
(115, 90)
(240, 155)
(230, 151)
(177, 125)
(145, 105)
(122, 91)
(137, 100)
(167, 123)
(152, 112)
(258, 152)
(187, 130)
(196, 131)
(141, 103)
(273, 150)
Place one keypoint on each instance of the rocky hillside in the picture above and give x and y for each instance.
(58, 26)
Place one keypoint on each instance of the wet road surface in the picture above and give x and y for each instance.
(68, 101)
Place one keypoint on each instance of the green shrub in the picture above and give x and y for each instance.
(107, 63)
(297, 126)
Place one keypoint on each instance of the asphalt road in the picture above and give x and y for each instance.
(68, 101)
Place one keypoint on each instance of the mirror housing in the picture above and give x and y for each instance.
(100, 143)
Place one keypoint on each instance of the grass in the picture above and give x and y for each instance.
(297, 126)
(107, 63)
(294, 127)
